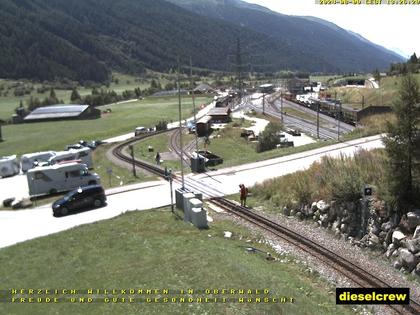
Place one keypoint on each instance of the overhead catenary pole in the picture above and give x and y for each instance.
(317, 120)
(281, 105)
(193, 101)
(263, 103)
(180, 124)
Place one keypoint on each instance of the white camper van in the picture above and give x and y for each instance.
(83, 154)
(9, 166)
(59, 177)
(27, 161)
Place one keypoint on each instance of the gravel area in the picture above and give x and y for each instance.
(366, 259)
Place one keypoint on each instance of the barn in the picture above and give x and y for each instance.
(63, 112)
(220, 114)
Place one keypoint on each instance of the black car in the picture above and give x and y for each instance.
(83, 197)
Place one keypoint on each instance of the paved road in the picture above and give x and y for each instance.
(18, 226)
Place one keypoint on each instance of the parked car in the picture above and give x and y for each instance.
(140, 130)
(78, 199)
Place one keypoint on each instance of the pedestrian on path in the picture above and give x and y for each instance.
(243, 193)
(157, 158)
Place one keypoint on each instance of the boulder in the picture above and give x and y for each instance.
(413, 218)
(397, 265)
(322, 206)
(417, 269)
(373, 240)
(397, 237)
(375, 228)
(417, 232)
(413, 245)
(390, 250)
(407, 259)
(382, 235)
(387, 226)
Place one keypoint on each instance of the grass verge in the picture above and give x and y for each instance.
(154, 250)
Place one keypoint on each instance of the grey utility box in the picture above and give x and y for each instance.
(186, 207)
(179, 200)
(198, 165)
(199, 218)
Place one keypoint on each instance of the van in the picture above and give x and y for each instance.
(83, 197)
(9, 166)
(45, 180)
(30, 160)
(83, 154)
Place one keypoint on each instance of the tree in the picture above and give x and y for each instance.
(377, 75)
(269, 138)
(413, 58)
(75, 96)
(402, 145)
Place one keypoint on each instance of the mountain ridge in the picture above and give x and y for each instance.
(85, 40)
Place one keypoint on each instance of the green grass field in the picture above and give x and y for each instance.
(154, 250)
(385, 95)
(26, 138)
(9, 102)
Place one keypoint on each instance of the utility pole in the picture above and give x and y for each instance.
(263, 103)
(239, 68)
(132, 159)
(170, 187)
(281, 105)
(193, 100)
(180, 126)
(338, 124)
(317, 120)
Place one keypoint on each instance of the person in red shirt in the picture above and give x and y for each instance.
(243, 192)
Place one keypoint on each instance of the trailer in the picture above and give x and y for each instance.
(44, 180)
(83, 154)
(210, 159)
(30, 160)
(9, 166)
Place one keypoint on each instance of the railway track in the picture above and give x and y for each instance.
(361, 277)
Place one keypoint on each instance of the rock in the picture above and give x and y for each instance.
(373, 240)
(335, 224)
(407, 259)
(375, 228)
(382, 235)
(8, 202)
(365, 238)
(322, 206)
(388, 237)
(413, 245)
(397, 237)
(227, 234)
(413, 218)
(387, 226)
(417, 269)
(397, 265)
(417, 232)
(390, 250)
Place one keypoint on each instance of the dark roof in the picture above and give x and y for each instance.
(56, 111)
(217, 111)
